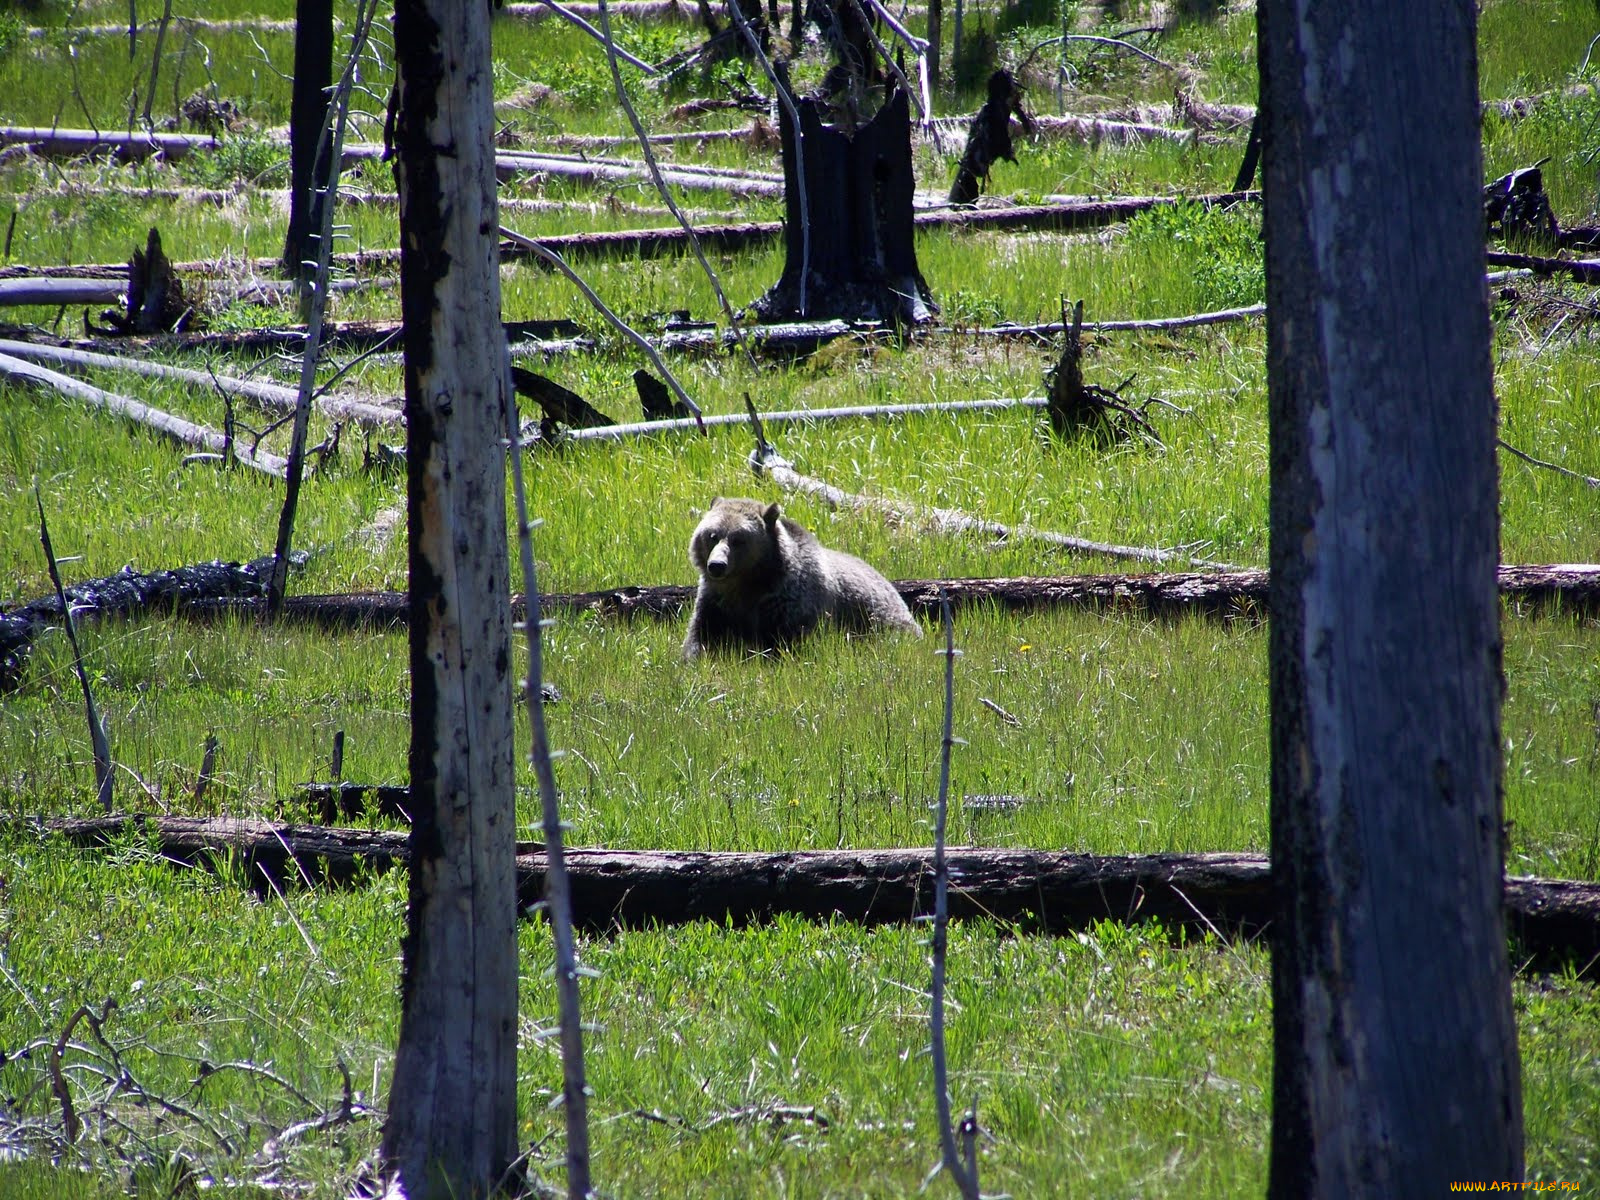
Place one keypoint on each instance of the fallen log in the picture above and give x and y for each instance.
(269, 395)
(1527, 589)
(346, 335)
(1090, 129)
(1583, 270)
(1556, 923)
(59, 291)
(1066, 214)
(185, 433)
(129, 147)
(128, 593)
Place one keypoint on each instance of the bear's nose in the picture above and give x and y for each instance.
(716, 568)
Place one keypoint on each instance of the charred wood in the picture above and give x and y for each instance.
(657, 401)
(1566, 588)
(1556, 923)
(559, 404)
(128, 593)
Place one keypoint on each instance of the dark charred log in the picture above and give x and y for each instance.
(559, 404)
(127, 593)
(1555, 923)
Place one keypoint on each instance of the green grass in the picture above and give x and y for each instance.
(1116, 1058)
(1123, 1061)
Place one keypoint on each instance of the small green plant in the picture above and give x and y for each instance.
(251, 158)
(1224, 248)
(962, 307)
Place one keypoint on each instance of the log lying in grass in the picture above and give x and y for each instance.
(268, 395)
(128, 593)
(78, 143)
(44, 289)
(1066, 214)
(185, 433)
(1082, 129)
(1556, 922)
(1574, 588)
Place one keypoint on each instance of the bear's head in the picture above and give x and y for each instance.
(737, 543)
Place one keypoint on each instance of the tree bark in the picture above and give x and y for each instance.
(452, 1103)
(1395, 1058)
(1556, 922)
(309, 150)
(858, 188)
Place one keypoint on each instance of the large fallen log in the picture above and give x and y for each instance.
(1556, 923)
(79, 143)
(1066, 214)
(185, 433)
(1567, 588)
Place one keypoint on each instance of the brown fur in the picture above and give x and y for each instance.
(765, 582)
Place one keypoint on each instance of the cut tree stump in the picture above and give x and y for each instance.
(1556, 922)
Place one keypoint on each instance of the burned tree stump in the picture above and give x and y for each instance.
(657, 402)
(155, 301)
(989, 138)
(1078, 409)
(1516, 207)
(858, 191)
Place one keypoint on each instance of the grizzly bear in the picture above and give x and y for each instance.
(765, 582)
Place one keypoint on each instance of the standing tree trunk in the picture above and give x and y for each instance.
(308, 119)
(452, 1103)
(1395, 1058)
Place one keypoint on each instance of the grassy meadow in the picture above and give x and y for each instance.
(788, 1060)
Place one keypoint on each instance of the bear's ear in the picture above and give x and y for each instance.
(771, 515)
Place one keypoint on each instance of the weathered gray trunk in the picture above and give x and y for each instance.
(452, 1103)
(1395, 1062)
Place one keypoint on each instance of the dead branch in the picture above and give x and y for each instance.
(1556, 921)
(1586, 480)
(802, 416)
(950, 1158)
(604, 310)
(103, 775)
(1147, 325)
(765, 461)
(185, 433)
